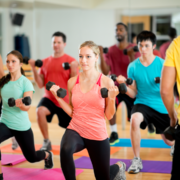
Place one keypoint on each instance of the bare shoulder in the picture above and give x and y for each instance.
(106, 81)
(71, 82)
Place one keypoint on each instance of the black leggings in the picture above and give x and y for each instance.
(99, 152)
(25, 140)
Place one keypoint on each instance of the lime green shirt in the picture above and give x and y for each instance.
(13, 117)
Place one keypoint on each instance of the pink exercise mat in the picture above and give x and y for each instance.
(11, 159)
(35, 174)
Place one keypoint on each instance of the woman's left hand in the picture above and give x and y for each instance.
(19, 103)
(54, 89)
(113, 91)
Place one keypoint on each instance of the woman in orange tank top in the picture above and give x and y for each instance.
(88, 109)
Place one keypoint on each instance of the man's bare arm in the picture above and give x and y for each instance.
(168, 80)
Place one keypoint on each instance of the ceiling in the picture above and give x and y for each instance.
(93, 4)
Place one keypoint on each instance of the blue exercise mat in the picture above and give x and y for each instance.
(145, 143)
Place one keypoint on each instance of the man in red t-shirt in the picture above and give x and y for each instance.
(52, 70)
(116, 62)
(164, 46)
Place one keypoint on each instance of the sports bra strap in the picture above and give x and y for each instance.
(99, 80)
(77, 81)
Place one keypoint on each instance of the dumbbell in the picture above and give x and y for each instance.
(105, 50)
(169, 133)
(122, 88)
(128, 81)
(60, 92)
(135, 49)
(157, 80)
(25, 100)
(38, 62)
(66, 65)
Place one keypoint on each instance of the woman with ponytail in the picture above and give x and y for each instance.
(88, 109)
(14, 121)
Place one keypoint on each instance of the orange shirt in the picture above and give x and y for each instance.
(52, 70)
(88, 118)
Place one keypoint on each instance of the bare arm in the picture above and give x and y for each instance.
(1, 68)
(68, 108)
(74, 68)
(168, 80)
(131, 89)
(113, 91)
(20, 104)
(104, 67)
(39, 78)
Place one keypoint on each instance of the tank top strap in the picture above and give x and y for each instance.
(77, 81)
(99, 80)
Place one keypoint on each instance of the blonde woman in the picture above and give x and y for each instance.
(88, 109)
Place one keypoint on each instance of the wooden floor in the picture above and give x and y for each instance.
(125, 153)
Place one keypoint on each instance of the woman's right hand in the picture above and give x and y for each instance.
(31, 62)
(121, 79)
(54, 90)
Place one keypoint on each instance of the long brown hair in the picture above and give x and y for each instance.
(5, 79)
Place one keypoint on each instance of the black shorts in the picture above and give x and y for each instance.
(63, 118)
(159, 120)
(128, 101)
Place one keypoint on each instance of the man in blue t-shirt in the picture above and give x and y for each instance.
(148, 106)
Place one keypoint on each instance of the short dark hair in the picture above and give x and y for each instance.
(172, 32)
(60, 34)
(146, 35)
(120, 23)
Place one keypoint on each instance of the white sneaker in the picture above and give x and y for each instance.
(136, 166)
(46, 145)
(121, 173)
(14, 143)
(172, 150)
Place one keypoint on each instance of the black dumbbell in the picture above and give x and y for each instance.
(25, 100)
(122, 88)
(66, 65)
(157, 80)
(104, 92)
(105, 50)
(135, 49)
(128, 81)
(169, 133)
(60, 92)
(38, 62)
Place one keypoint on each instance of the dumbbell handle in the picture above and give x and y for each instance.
(38, 62)
(128, 81)
(135, 49)
(26, 100)
(60, 92)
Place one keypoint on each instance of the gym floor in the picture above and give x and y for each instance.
(56, 134)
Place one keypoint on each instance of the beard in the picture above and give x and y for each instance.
(120, 38)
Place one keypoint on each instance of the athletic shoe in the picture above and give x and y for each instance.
(121, 173)
(151, 129)
(114, 138)
(49, 161)
(1, 176)
(14, 144)
(172, 150)
(136, 166)
(46, 145)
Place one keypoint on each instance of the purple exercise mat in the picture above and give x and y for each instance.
(148, 166)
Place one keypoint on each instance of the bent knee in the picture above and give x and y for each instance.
(136, 120)
(42, 111)
(66, 150)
